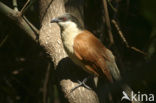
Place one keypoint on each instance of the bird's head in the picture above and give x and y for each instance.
(67, 20)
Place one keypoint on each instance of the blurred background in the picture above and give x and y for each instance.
(24, 65)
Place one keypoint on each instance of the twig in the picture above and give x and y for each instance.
(4, 40)
(108, 25)
(113, 8)
(137, 50)
(14, 3)
(31, 25)
(15, 16)
(24, 7)
(124, 39)
(21, 14)
(120, 32)
(46, 83)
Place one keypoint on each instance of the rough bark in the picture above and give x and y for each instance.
(67, 73)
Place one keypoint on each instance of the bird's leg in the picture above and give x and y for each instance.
(81, 83)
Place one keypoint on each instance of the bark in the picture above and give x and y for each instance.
(67, 73)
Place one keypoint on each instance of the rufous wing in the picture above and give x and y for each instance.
(90, 51)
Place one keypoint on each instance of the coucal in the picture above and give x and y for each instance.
(85, 49)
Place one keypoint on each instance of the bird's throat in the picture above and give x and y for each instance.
(68, 37)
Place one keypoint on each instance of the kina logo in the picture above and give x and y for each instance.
(125, 96)
(137, 97)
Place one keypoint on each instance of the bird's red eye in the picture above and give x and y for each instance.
(64, 19)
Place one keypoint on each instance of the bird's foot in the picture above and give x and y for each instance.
(81, 83)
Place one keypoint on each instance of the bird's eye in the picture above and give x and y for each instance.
(63, 19)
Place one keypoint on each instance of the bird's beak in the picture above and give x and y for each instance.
(55, 20)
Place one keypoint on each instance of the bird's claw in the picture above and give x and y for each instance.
(81, 83)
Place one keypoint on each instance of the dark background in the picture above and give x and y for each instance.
(23, 63)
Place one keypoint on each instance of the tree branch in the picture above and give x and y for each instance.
(15, 16)
(45, 85)
(67, 73)
(108, 25)
(113, 8)
(124, 39)
(24, 7)
(14, 3)
(4, 40)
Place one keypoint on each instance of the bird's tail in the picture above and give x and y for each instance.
(125, 88)
(114, 70)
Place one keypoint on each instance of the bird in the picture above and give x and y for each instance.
(85, 49)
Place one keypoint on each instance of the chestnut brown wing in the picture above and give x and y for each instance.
(91, 52)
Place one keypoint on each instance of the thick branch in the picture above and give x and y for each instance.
(67, 73)
(14, 16)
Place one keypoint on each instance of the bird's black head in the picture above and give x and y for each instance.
(66, 20)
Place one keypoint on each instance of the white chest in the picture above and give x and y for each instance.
(68, 35)
(68, 41)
